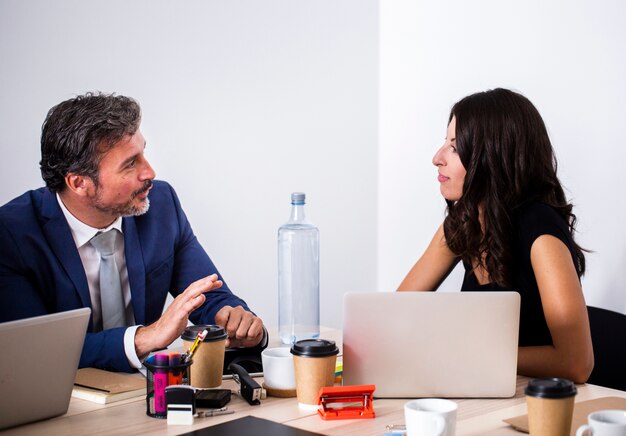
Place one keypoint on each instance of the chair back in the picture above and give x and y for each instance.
(608, 333)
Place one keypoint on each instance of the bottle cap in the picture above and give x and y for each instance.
(314, 348)
(214, 333)
(298, 197)
(550, 388)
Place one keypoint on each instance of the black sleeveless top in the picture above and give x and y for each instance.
(534, 220)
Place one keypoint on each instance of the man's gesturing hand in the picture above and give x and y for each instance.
(174, 320)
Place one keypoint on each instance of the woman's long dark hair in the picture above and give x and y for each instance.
(504, 146)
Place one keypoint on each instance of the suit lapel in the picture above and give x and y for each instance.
(59, 236)
(136, 269)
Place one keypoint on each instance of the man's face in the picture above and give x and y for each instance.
(124, 180)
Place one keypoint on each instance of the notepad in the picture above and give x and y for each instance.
(106, 387)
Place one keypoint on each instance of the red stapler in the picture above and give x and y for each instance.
(346, 402)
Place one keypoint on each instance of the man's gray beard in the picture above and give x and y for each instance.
(137, 211)
(126, 210)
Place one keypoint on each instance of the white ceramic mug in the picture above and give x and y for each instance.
(604, 423)
(430, 416)
(278, 370)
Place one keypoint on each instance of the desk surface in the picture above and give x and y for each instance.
(475, 416)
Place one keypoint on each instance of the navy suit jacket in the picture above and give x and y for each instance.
(41, 271)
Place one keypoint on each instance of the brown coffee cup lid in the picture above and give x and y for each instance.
(550, 388)
(314, 348)
(214, 333)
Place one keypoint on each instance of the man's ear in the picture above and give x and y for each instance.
(78, 184)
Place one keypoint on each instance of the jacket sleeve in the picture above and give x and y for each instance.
(105, 350)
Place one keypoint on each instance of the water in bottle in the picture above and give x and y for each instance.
(298, 276)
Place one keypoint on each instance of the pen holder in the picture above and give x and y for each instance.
(159, 375)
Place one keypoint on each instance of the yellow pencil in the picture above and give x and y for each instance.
(196, 343)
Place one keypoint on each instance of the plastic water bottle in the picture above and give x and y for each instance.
(298, 276)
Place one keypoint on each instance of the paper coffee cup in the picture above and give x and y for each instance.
(550, 406)
(314, 364)
(208, 360)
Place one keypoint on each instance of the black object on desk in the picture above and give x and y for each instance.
(251, 425)
(248, 358)
(249, 389)
(212, 398)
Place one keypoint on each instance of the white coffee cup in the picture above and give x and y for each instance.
(278, 372)
(604, 423)
(430, 416)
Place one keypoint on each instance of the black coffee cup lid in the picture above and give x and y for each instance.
(314, 348)
(214, 333)
(550, 388)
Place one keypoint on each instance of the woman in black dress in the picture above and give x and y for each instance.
(510, 224)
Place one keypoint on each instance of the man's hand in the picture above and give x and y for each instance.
(243, 328)
(173, 322)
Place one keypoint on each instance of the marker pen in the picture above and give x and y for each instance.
(160, 383)
(174, 376)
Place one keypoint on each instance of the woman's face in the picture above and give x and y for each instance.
(451, 172)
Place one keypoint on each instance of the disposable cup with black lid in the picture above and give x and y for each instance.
(550, 406)
(208, 359)
(314, 364)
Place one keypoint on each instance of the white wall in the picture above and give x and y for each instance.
(246, 101)
(567, 57)
(243, 103)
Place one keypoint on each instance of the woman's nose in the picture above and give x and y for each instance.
(438, 158)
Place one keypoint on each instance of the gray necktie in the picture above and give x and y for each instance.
(111, 298)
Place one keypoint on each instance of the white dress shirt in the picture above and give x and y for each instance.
(82, 234)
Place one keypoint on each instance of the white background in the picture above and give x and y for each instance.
(567, 57)
(246, 101)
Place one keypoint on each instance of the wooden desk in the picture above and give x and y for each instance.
(475, 416)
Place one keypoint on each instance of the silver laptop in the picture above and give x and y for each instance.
(37, 370)
(432, 344)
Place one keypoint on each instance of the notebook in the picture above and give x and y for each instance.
(40, 356)
(432, 344)
(104, 387)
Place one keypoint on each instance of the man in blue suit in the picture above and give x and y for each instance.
(98, 180)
